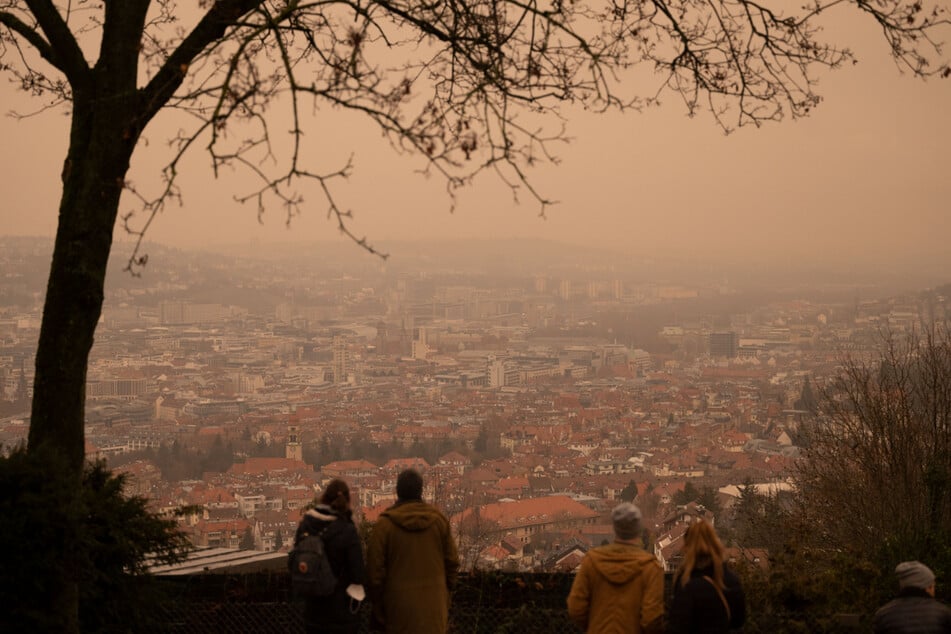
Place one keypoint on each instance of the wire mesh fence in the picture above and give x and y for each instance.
(492, 603)
(286, 618)
(482, 604)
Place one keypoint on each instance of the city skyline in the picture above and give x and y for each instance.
(592, 289)
(861, 180)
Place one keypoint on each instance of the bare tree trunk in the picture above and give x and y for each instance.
(104, 131)
(103, 134)
(74, 297)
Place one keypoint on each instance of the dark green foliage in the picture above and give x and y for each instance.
(807, 398)
(219, 457)
(687, 495)
(264, 449)
(629, 492)
(808, 589)
(706, 497)
(120, 539)
(482, 441)
(808, 580)
(177, 461)
(36, 521)
(762, 521)
(247, 540)
(108, 537)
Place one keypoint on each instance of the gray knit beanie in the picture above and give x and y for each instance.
(627, 521)
(914, 574)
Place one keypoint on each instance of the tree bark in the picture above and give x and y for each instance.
(105, 127)
(109, 113)
(92, 183)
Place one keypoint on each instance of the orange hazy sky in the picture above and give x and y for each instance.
(865, 178)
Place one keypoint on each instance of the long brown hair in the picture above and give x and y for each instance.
(702, 547)
(336, 496)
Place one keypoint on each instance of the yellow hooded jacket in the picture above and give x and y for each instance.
(619, 589)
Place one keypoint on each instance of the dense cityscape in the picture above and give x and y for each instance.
(533, 393)
(475, 317)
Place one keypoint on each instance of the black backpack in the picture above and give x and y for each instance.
(311, 575)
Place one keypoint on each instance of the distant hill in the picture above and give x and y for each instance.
(217, 268)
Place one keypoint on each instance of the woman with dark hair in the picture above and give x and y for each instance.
(332, 519)
(708, 597)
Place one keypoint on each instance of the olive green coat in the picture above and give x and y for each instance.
(411, 567)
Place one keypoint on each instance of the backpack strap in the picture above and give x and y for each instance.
(319, 534)
(726, 605)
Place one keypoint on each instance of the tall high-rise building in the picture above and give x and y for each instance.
(564, 289)
(420, 345)
(340, 359)
(180, 312)
(496, 372)
(724, 344)
(617, 289)
(381, 337)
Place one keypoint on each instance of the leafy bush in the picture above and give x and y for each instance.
(109, 537)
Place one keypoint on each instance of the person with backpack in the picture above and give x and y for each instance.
(708, 597)
(332, 600)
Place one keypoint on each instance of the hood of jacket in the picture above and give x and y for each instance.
(413, 515)
(322, 513)
(620, 563)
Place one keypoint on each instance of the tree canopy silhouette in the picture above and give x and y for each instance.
(459, 83)
(876, 474)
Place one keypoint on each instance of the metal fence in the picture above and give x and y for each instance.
(491, 603)
(285, 618)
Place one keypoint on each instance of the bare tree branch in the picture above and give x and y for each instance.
(66, 52)
(30, 35)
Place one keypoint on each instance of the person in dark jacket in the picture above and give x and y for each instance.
(411, 563)
(339, 612)
(915, 611)
(708, 597)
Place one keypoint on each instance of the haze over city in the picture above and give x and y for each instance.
(862, 182)
(470, 311)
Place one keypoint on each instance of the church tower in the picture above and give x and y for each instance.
(294, 450)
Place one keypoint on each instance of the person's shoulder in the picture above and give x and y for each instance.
(697, 580)
(438, 517)
(349, 533)
(421, 506)
(689, 588)
(944, 609)
(313, 520)
(343, 524)
(888, 607)
(636, 553)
